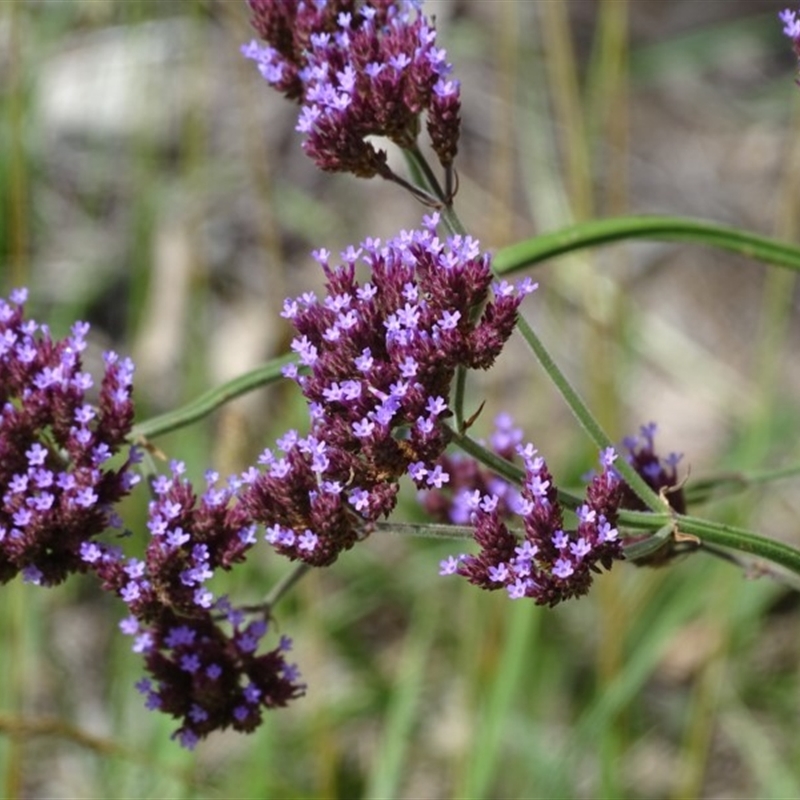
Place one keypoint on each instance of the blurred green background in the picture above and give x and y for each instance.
(152, 183)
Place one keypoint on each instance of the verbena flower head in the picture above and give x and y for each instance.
(203, 659)
(56, 442)
(378, 359)
(546, 562)
(207, 672)
(661, 474)
(359, 70)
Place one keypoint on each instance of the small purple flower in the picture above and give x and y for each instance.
(449, 566)
(437, 477)
(791, 24)
(499, 573)
(563, 568)
(129, 626)
(190, 662)
(560, 540)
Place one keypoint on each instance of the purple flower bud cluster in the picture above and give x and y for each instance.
(661, 474)
(791, 28)
(454, 502)
(359, 70)
(58, 486)
(208, 678)
(377, 360)
(547, 563)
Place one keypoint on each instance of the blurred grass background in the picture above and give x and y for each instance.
(151, 183)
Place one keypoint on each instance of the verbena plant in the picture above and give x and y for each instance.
(382, 362)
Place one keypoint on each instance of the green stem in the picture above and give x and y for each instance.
(505, 469)
(285, 584)
(742, 540)
(584, 416)
(426, 530)
(421, 172)
(644, 520)
(597, 233)
(716, 533)
(579, 408)
(211, 400)
(498, 464)
(422, 169)
(426, 198)
(642, 548)
(661, 524)
(458, 398)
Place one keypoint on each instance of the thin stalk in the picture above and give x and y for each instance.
(742, 540)
(498, 464)
(422, 171)
(576, 404)
(453, 224)
(502, 467)
(602, 232)
(584, 416)
(459, 395)
(716, 533)
(426, 198)
(597, 233)
(284, 585)
(211, 400)
(718, 539)
(426, 530)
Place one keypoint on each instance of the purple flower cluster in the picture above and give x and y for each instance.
(211, 679)
(190, 538)
(454, 502)
(661, 474)
(376, 365)
(208, 678)
(58, 487)
(359, 70)
(58, 495)
(547, 563)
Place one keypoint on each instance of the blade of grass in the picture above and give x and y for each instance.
(389, 767)
(656, 623)
(774, 776)
(490, 728)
